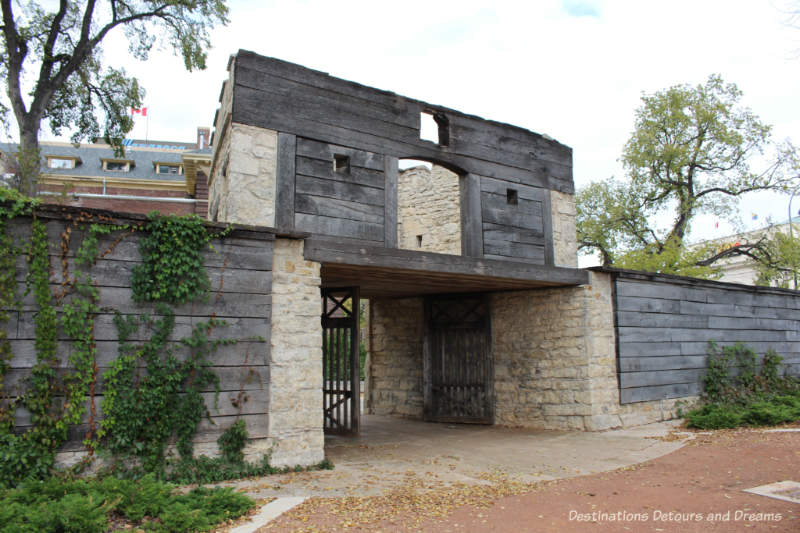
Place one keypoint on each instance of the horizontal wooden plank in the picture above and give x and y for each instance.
(701, 308)
(664, 291)
(319, 101)
(229, 403)
(243, 353)
(629, 334)
(663, 377)
(318, 168)
(353, 105)
(231, 378)
(222, 305)
(632, 349)
(428, 263)
(661, 320)
(496, 232)
(651, 305)
(325, 151)
(105, 329)
(650, 364)
(644, 394)
(250, 111)
(760, 347)
(109, 273)
(514, 250)
(339, 190)
(526, 214)
(524, 192)
(257, 428)
(774, 324)
(248, 254)
(339, 227)
(336, 208)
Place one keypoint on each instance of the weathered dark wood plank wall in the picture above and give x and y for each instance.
(665, 323)
(290, 98)
(375, 128)
(349, 202)
(241, 281)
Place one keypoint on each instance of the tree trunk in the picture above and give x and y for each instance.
(29, 156)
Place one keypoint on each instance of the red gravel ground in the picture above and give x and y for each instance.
(697, 488)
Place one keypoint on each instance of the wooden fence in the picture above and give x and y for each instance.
(239, 268)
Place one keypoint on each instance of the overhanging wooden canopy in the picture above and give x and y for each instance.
(389, 272)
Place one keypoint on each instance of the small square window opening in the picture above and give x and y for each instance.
(341, 164)
(419, 241)
(434, 127)
(512, 198)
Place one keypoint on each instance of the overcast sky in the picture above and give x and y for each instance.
(573, 69)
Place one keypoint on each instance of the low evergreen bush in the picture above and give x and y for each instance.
(738, 391)
(93, 505)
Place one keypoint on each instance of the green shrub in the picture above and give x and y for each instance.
(714, 416)
(740, 392)
(69, 505)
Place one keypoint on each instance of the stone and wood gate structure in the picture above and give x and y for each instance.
(477, 310)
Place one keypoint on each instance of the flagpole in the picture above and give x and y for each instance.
(791, 234)
(147, 129)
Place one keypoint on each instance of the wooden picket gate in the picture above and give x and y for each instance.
(458, 367)
(341, 394)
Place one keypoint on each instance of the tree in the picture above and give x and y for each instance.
(778, 261)
(71, 88)
(693, 151)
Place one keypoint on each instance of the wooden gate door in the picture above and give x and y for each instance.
(458, 373)
(341, 395)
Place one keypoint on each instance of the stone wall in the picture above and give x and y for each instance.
(428, 206)
(554, 356)
(555, 361)
(565, 237)
(242, 188)
(394, 371)
(542, 365)
(295, 392)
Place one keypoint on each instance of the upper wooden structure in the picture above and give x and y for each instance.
(338, 149)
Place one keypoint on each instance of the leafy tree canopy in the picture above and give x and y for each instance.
(54, 48)
(778, 260)
(694, 150)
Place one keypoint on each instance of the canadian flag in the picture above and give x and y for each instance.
(142, 111)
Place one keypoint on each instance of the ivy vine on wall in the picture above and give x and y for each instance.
(153, 390)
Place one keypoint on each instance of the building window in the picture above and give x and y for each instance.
(512, 197)
(60, 162)
(116, 165)
(341, 164)
(162, 168)
(434, 127)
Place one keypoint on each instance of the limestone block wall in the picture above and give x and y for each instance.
(394, 370)
(295, 392)
(540, 357)
(554, 356)
(242, 188)
(555, 361)
(565, 238)
(428, 206)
